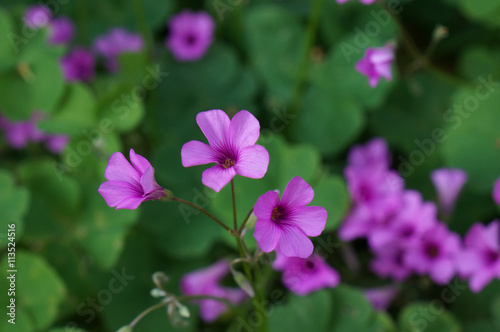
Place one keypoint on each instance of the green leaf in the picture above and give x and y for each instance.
(7, 56)
(331, 193)
(382, 322)
(14, 202)
(486, 11)
(427, 316)
(352, 310)
(473, 136)
(75, 113)
(101, 230)
(307, 313)
(274, 33)
(39, 290)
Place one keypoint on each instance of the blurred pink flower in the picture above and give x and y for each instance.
(305, 275)
(376, 64)
(448, 183)
(365, 2)
(285, 225)
(480, 258)
(381, 297)
(128, 184)
(190, 35)
(116, 42)
(232, 147)
(78, 65)
(61, 30)
(37, 16)
(496, 191)
(206, 282)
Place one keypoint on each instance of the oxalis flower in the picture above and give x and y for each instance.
(206, 282)
(376, 64)
(364, 2)
(496, 191)
(448, 183)
(232, 147)
(285, 225)
(128, 184)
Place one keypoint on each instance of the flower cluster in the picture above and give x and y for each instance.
(117, 41)
(61, 29)
(19, 134)
(404, 232)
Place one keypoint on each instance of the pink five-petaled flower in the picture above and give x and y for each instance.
(128, 184)
(206, 282)
(190, 35)
(305, 275)
(376, 64)
(232, 148)
(285, 225)
(480, 258)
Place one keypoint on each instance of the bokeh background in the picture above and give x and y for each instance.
(83, 265)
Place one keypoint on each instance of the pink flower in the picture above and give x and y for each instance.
(435, 254)
(206, 282)
(37, 16)
(381, 297)
(496, 191)
(61, 31)
(57, 143)
(365, 2)
(376, 64)
(116, 42)
(78, 65)
(190, 35)
(232, 147)
(19, 134)
(128, 184)
(305, 275)
(285, 225)
(448, 183)
(480, 259)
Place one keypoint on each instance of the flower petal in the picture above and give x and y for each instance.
(442, 272)
(480, 279)
(114, 193)
(244, 130)
(194, 282)
(214, 125)
(310, 219)
(195, 153)
(297, 193)
(252, 162)
(267, 234)
(140, 163)
(294, 243)
(152, 190)
(265, 204)
(216, 177)
(119, 169)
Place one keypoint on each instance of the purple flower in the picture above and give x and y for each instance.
(389, 262)
(373, 155)
(206, 282)
(285, 225)
(305, 275)
(19, 134)
(78, 65)
(128, 184)
(376, 63)
(480, 258)
(61, 30)
(190, 35)
(365, 2)
(381, 297)
(56, 143)
(116, 42)
(435, 254)
(37, 16)
(232, 147)
(496, 191)
(448, 183)
(406, 227)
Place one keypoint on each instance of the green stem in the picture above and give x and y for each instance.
(146, 312)
(235, 221)
(245, 221)
(208, 214)
(142, 23)
(300, 81)
(260, 297)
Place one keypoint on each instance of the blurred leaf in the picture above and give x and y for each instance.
(14, 202)
(331, 193)
(352, 310)
(480, 61)
(487, 11)
(101, 230)
(7, 56)
(472, 142)
(382, 322)
(427, 316)
(75, 113)
(274, 33)
(39, 290)
(302, 313)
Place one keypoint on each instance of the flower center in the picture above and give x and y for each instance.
(190, 39)
(492, 256)
(228, 163)
(432, 250)
(309, 265)
(275, 214)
